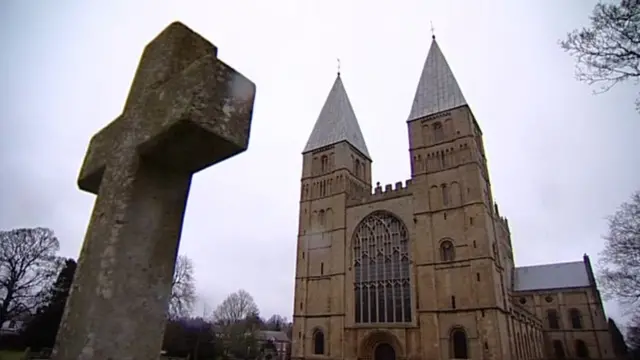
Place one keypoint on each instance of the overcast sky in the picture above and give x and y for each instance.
(560, 158)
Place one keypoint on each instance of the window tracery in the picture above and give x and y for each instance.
(381, 270)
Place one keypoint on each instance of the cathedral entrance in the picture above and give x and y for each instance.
(384, 351)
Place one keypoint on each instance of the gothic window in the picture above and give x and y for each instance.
(321, 218)
(552, 317)
(582, 352)
(445, 195)
(438, 132)
(381, 270)
(324, 163)
(447, 252)
(357, 168)
(558, 349)
(576, 318)
(318, 342)
(459, 348)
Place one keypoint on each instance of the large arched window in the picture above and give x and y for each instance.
(552, 317)
(576, 318)
(318, 342)
(459, 348)
(582, 352)
(381, 270)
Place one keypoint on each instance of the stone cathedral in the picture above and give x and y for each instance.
(423, 269)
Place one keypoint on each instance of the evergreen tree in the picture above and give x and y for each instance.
(41, 331)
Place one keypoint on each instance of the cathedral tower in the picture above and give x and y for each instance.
(461, 283)
(336, 168)
(423, 269)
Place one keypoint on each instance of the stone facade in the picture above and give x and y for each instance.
(424, 269)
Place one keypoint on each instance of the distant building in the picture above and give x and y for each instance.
(424, 269)
(12, 327)
(279, 339)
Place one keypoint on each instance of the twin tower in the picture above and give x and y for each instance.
(415, 270)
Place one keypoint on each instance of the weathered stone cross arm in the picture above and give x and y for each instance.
(186, 110)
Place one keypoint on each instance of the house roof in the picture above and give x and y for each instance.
(551, 276)
(275, 335)
(437, 89)
(337, 122)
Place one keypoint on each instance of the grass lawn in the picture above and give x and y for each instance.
(10, 355)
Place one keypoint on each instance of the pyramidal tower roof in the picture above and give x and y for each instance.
(437, 89)
(337, 122)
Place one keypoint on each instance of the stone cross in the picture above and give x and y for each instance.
(186, 110)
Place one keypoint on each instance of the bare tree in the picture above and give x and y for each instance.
(235, 319)
(183, 289)
(28, 266)
(235, 308)
(608, 52)
(276, 323)
(620, 259)
(633, 337)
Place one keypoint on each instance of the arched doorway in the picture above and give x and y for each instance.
(384, 351)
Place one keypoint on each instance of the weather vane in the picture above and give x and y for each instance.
(338, 66)
(433, 31)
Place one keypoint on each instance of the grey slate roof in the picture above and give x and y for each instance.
(337, 122)
(437, 89)
(551, 276)
(275, 335)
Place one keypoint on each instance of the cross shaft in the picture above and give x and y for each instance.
(186, 110)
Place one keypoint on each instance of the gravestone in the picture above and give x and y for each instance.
(186, 110)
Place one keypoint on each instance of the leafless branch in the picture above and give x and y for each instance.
(620, 259)
(183, 289)
(28, 265)
(608, 52)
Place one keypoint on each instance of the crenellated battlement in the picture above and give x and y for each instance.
(389, 191)
(503, 219)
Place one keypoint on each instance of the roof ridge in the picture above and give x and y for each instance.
(551, 264)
